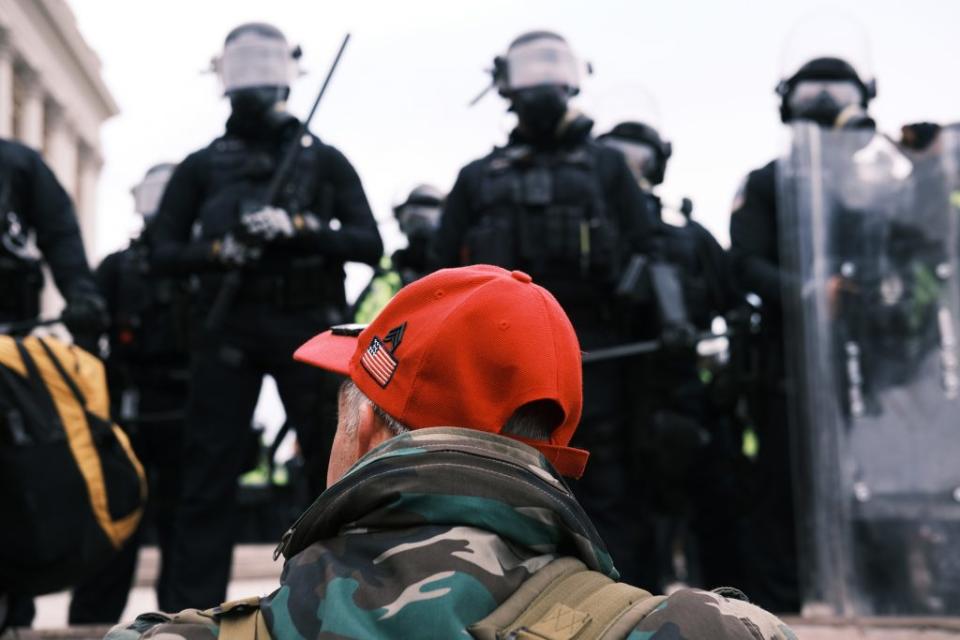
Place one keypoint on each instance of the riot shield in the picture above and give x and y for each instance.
(869, 243)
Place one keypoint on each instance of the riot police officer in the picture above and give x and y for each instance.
(830, 93)
(35, 207)
(557, 205)
(148, 376)
(417, 216)
(36, 210)
(687, 441)
(290, 253)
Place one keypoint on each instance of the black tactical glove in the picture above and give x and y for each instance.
(85, 314)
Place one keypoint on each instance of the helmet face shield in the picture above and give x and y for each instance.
(541, 61)
(418, 219)
(147, 194)
(252, 59)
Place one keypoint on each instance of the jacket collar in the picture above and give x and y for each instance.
(458, 477)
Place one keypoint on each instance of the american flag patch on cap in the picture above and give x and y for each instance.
(379, 362)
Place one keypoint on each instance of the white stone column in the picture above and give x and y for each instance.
(6, 85)
(31, 129)
(86, 200)
(60, 150)
(60, 153)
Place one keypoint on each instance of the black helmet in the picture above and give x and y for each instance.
(639, 133)
(826, 69)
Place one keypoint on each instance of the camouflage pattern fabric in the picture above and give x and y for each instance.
(429, 533)
(692, 614)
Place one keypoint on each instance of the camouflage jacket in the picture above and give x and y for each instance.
(428, 534)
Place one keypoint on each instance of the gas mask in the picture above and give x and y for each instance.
(256, 103)
(822, 101)
(540, 109)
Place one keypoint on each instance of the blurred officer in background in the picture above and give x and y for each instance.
(830, 93)
(148, 372)
(418, 216)
(291, 253)
(682, 440)
(38, 225)
(564, 209)
(35, 210)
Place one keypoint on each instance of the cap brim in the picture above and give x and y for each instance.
(570, 462)
(328, 351)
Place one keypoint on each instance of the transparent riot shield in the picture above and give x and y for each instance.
(869, 243)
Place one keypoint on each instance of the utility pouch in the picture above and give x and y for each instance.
(668, 294)
(634, 283)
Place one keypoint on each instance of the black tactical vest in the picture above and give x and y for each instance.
(239, 174)
(699, 278)
(240, 171)
(544, 213)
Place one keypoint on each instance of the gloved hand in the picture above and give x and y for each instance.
(232, 252)
(919, 135)
(85, 313)
(263, 223)
(267, 224)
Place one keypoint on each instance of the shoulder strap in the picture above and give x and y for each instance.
(44, 414)
(67, 378)
(565, 600)
(242, 620)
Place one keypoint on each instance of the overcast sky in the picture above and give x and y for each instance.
(398, 104)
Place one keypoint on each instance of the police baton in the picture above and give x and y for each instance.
(644, 347)
(234, 279)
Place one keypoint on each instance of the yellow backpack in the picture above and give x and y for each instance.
(71, 489)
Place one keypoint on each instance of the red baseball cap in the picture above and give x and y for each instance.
(465, 347)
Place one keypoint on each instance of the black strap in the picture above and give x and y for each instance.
(63, 374)
(40, 390)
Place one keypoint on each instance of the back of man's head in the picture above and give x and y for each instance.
(476, 347)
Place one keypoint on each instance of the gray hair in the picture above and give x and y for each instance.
(352, 399)
(535, 420)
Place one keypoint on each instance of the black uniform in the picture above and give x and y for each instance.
(148, 376)
(686, 443)
(566, 211)
(771, 578)
(32, 200)
(294, 291)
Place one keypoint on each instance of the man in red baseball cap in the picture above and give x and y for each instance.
(479, 347)
(446, 513)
